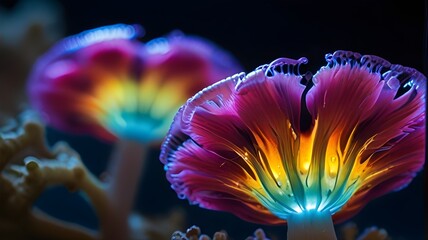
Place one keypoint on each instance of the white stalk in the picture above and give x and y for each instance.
(311, 225)
(126, 167)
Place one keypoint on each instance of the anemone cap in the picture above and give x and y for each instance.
(106, 83)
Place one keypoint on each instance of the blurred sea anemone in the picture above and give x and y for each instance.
(104, 82)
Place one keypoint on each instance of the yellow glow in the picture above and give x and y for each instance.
(148, 89)
(152, 96)
(333, 165)
(114, 96)
(320, 169)
(305, 151)
(332, 159)
(169, 98)
(293, 133)
(306, 165)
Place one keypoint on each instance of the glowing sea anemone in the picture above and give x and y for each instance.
(243, 145)
(106, 83)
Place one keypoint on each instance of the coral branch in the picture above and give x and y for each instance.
(16, 142)
(46, 227)
(27, 168)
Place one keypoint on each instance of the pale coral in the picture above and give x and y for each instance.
(28, 167)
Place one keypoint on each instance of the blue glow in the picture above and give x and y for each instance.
(158, 46)
(117, 31)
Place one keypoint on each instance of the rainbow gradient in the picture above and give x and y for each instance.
(104, 82)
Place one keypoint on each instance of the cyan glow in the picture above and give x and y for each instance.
(135, 125)
(410, 83)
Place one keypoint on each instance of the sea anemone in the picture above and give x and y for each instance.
(105, 83)
(270, 149)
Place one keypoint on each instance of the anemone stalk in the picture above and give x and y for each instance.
(310, 225)
(126, 168)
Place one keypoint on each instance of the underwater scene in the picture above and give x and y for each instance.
(225, 120)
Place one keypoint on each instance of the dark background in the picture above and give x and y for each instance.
(257, 32)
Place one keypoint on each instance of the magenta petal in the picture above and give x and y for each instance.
(179, 51)
(379, 125)
(196, 121)
(177, 57)
(342, 96)
(393, 169)
(119, 57)
(192, 177)
(264, 103)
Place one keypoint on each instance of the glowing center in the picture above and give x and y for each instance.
(140, 110)
(315, 173)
